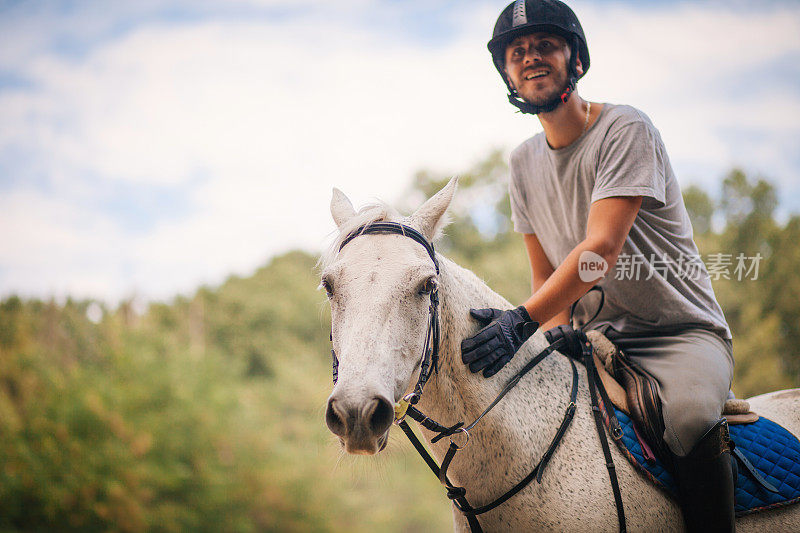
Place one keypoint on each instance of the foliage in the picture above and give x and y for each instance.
(206, 413)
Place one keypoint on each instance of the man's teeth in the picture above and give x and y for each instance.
(537, 74)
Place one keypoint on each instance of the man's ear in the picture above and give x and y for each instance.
(510, 81)
(578, 64)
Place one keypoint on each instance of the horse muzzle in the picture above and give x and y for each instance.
(362, 426)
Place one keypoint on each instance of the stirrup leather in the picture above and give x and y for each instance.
(641, 391)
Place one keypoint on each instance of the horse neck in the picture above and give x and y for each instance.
(455, 394)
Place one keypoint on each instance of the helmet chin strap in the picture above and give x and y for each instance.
(551, 105)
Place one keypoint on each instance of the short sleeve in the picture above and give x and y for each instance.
(631, 163)
(519, 205)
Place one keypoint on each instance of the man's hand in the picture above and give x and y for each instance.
(502, 335)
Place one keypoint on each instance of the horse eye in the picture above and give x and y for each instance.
(428, 287)
(328, 286)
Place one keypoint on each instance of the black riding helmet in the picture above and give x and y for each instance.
(528, 16)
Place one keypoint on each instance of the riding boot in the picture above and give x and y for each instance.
(705, 483)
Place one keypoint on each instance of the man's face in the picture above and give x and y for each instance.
(537, 66)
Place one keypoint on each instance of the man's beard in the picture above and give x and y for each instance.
(546, 105)
(549, 102)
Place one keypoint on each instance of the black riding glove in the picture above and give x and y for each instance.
(494, 345)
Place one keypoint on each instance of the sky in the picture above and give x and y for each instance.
(149, 147)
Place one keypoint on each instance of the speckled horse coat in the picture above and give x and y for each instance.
(376, 286)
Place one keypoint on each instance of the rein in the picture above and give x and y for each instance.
(566, 340)
(458, 494)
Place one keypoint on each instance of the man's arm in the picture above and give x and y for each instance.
(610, 220)
(541, 270)
(503, 332)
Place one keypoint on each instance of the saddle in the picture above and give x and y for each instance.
(634, 391)
(767, 455)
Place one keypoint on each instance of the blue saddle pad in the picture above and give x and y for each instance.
(773, 451)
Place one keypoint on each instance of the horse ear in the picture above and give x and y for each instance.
(341, 208)
(429, 218)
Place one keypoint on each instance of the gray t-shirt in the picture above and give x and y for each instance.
(659, 282)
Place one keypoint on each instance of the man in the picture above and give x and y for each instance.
(596, 184)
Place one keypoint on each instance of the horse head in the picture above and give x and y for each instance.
(379, 286)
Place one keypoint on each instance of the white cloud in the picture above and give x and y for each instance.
(49, 247)
(257, 121)
(699, 72)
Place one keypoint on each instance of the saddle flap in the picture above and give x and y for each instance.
(638, 388)
(773, 452)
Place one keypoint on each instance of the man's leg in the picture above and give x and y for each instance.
(694, 369)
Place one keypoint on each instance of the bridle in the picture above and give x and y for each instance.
(429, 361)
(569, 341)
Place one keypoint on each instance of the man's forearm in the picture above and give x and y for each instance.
(549, 304)
(561, 318)
(558, 320)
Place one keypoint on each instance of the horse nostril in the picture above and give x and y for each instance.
(380, 415)
(334, 421)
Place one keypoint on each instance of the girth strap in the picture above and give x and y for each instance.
(751, 470)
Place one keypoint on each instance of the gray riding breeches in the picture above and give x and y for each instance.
(694, 369)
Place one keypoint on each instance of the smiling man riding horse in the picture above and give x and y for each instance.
(597, 183)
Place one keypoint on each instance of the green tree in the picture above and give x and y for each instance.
(700, 207)
(763, 320)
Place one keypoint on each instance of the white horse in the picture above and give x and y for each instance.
(378, 287)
